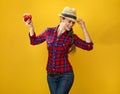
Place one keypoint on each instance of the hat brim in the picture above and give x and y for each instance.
(74, 20)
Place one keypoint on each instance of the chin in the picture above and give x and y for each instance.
(68, 29)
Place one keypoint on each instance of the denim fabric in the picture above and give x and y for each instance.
(61, 83)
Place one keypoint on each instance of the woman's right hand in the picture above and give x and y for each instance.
(29, 23)
(28, 19)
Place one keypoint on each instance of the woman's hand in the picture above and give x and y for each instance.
(28, 19)
(81, 23)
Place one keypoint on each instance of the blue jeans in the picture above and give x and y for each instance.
(61, 83)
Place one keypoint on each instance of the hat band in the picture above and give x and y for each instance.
(70, 16)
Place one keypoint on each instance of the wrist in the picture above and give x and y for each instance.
(31, 27)
(83, 27)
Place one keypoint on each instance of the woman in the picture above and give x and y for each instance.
(60, 41)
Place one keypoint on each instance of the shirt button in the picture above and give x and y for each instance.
(53, 69)
(57, 39)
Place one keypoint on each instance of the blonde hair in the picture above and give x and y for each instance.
(73, 47)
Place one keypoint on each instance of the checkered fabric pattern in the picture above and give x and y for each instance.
(58, 47)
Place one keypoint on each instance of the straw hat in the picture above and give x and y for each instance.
(69, 13)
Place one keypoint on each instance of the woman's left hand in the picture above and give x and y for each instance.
(81, 22)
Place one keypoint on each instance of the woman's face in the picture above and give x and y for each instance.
(67, 24)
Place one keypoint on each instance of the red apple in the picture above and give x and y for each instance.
(27, 17)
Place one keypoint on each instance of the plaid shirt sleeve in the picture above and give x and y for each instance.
(34, 40)
(82, 44)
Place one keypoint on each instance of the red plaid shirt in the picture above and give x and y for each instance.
(58, 47)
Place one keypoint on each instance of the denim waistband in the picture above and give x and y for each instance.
(57, 73)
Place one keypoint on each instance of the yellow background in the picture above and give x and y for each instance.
(22, 66)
